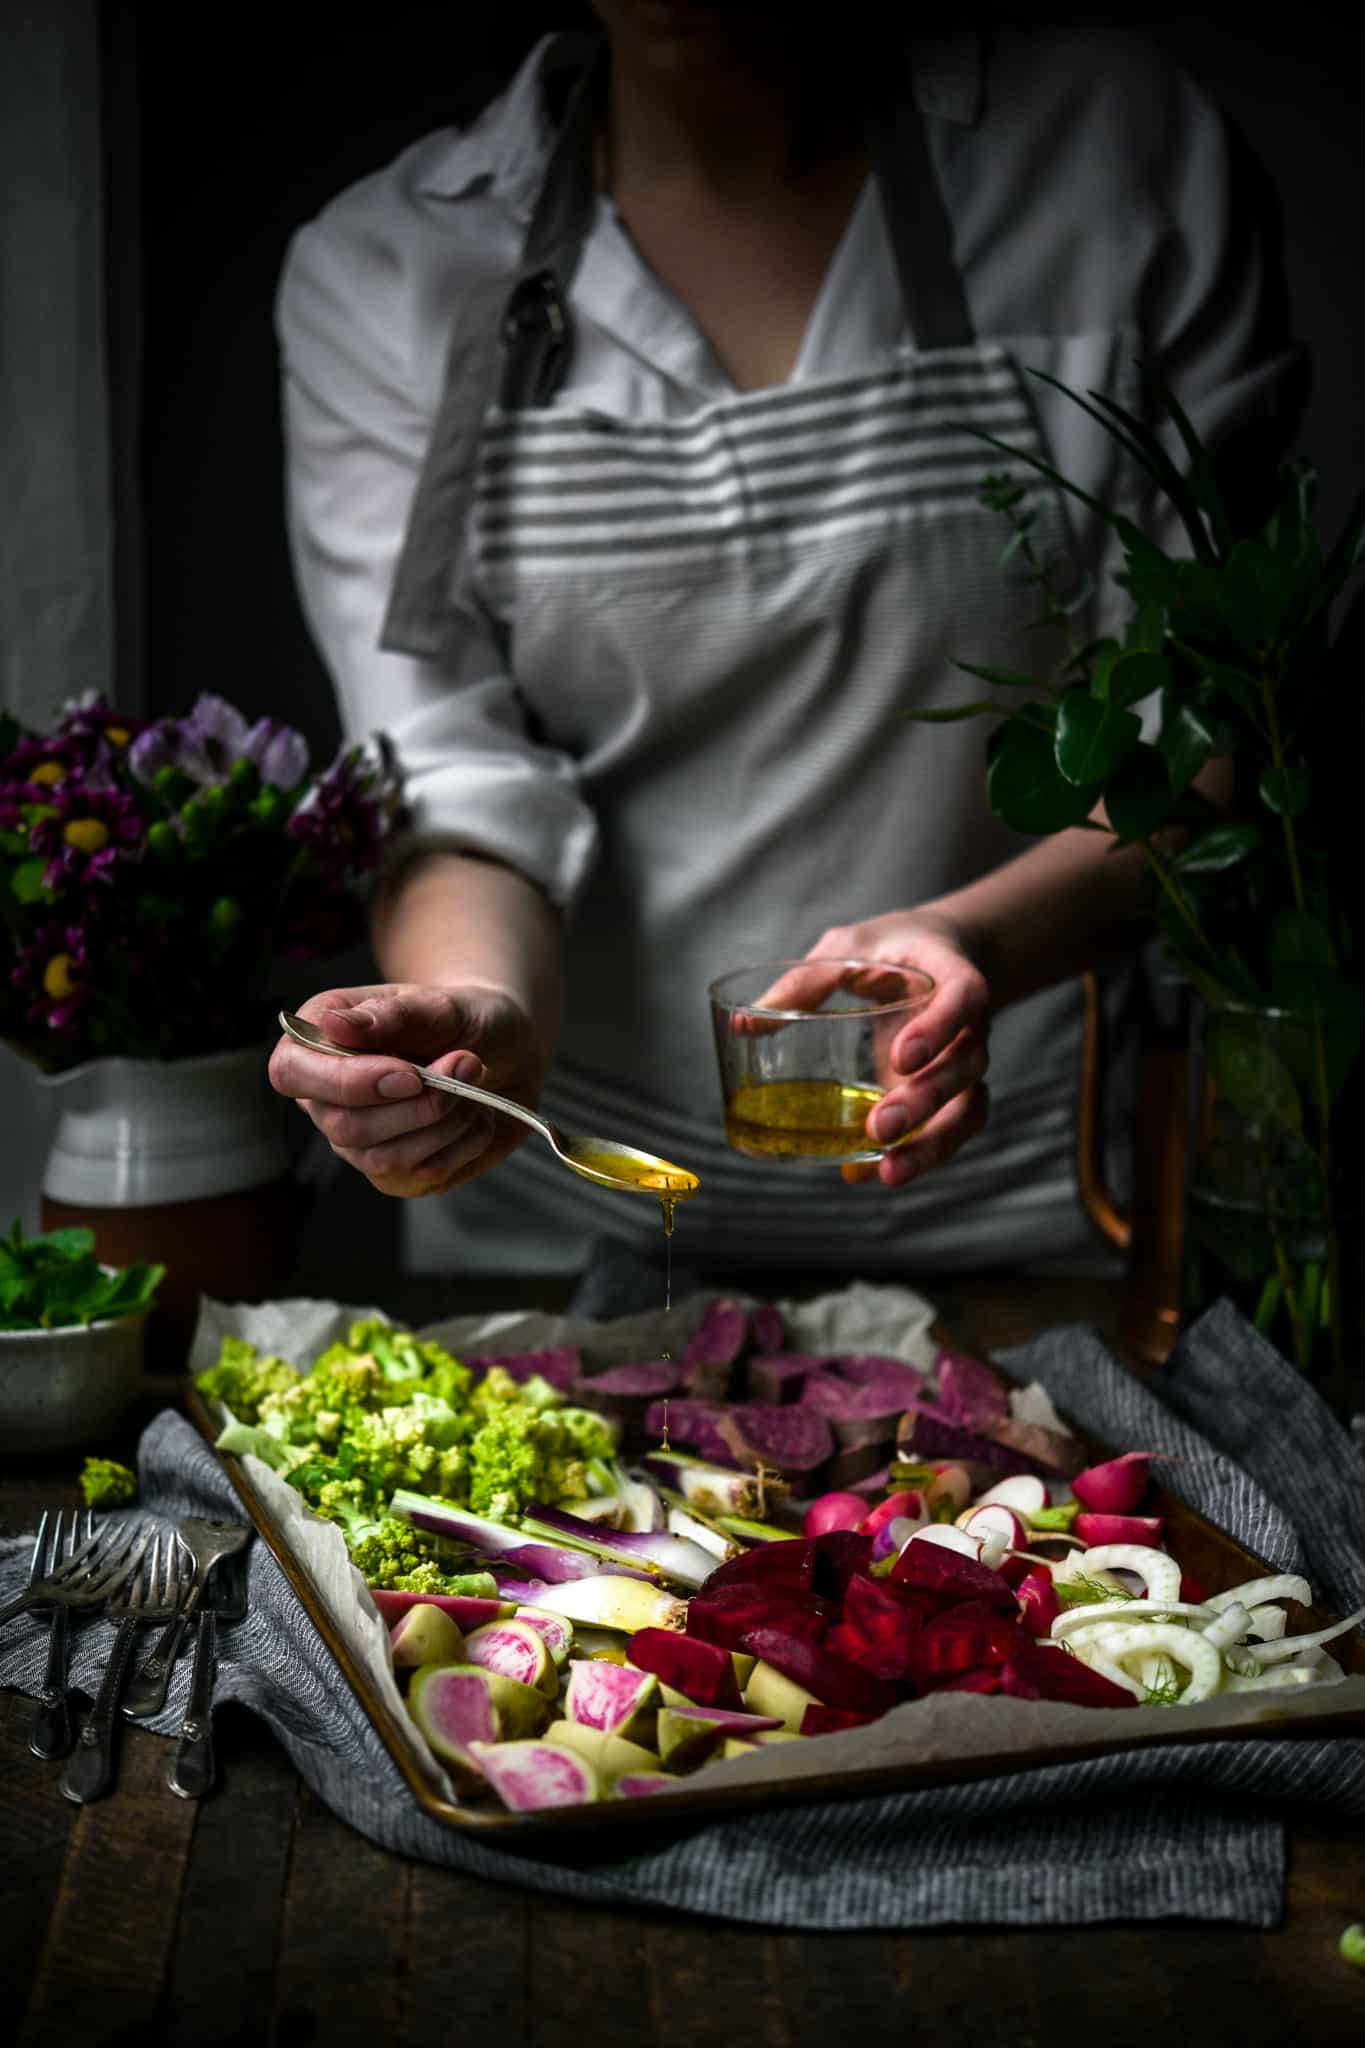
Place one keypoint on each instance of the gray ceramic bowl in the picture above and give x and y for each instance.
(64, 1390)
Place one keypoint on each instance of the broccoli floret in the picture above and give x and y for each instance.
(387, 1552)
(242, 1379)
(539, 1393)
(107, 1484)
(506, 1457)
(240, 1437)
(326, 1402)
(583, 1433)
(497, 1389)
(429, 1578)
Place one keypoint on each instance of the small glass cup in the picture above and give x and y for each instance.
(804, 1048)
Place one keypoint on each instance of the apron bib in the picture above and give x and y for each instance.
(726, 619)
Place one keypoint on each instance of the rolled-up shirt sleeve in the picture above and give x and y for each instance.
(355, 428)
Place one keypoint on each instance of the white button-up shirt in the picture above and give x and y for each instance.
(573, 728)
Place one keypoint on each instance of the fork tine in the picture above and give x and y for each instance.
(36, 1569)
(116, 1566)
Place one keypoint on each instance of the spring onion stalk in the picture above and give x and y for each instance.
(677, 1503)
(754, 1532)
(714, 1488)
(609, 1600)
(554, 1560)
(644, 1549)
(681, 1522)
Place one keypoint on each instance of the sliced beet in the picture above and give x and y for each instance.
(941, 1570)
(972, 1637)
(689, 1734)
(467, 1610)
(818, 1720)
(866, 1369)
(830, 1679)
(968, 1391)
(883, 1658)
(973, 1681)
(710, 1357)
(786, 1561)
(767, 1329)
(789, 1440)
(839, 1553)
(704, 1671)
(691, 1426)
(1036, 1673)
(860, 1417)
(928, 1433)
(560, 1364)
(874, 1606)
(779, 1376)
(727, 1615)
(614, 1697)
(626, 1393)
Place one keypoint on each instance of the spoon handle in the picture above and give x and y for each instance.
(314, 1040)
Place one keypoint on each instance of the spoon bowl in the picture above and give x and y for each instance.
(604, 1160)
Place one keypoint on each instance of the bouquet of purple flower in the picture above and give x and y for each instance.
(150, 874)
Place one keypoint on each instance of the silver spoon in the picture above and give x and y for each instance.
(605, 1160)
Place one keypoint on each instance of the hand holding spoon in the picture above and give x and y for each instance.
(604, 1160)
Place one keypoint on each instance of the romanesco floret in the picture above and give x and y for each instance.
(107, 1484)
(241, 1379)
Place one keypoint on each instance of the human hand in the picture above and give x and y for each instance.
(941, 1052)
(408, 1139)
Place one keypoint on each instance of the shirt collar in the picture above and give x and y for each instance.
(505, 148)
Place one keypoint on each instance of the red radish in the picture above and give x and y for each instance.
(640, 1784)
(689, 1734)
(1115, 1487)
(528, 1776)
(839, 1553)
(558, 1632)
(949, 1538)
(1015, 1566)
(1038, 1673)
(517, 1651)
(787, 1562)
(1099, 1529)
(1192, 1591)
(1040, 1602)
(953, 1483)
(614, 1697)
(997, 1526)
(703, 1671)
(961, 1578)
(455, 1712)
(1024, 1493)
(465, 1609)
(828, 1679)
(727, 1614)
(833, 1511)
(818, 1720)
(904, 1505)
(424, 1635)
(891, 1539)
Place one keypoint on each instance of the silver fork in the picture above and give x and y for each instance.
(52, 1733)
(153, 1594)
(96, 1568)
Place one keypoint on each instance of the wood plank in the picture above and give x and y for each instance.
(840, 1988)
(472, 1972)
(99, 1971)
(342, 1941)
(35, 1831)
(713, 1985)
(590, 1969)
(220, 1982)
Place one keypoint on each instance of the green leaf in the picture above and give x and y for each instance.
(951, 713)
(1137, 797)
(1146, 632)
(1203, 482)
(1285, 789)
(1343, 560)
(1291, 531)
(1025, 787)
(26, 881)
(1186, 741)
(1135, 676)
(1146, 449)
(1265, 585)
(1248, 1071)
(1093, 736)
(1222, 846)
(75, 1242)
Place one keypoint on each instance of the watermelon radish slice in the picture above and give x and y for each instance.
(826, 1678)
(517, 1651)
(1042, 1674)
(425, 1635)
(555, 1628)
(613, 1697)
(466, 1610)
(640, 1784)
(529, 1776)
(687, 1735)
(454, 1710)
(818, 1720)
(704, 1672)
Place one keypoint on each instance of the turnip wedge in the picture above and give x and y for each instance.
(426, 1635)
(715, 1489)
(517, 1651)
(704, 1672)
(454, 1710)
(688, 1735)
(530, 1776)
(603, 1601)
(616, 1699)
(652, 1550)
(610, 1755)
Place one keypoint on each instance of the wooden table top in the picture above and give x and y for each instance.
(256, 1918)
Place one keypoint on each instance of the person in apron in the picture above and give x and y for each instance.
(657, 585)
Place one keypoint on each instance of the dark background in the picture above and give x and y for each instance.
(225, 132)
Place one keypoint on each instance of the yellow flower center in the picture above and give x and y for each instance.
(87, 835)
(49, 774)
(117, 735)
(57, 982)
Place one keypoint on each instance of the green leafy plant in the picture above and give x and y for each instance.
(1237, 649)
(53, 1281)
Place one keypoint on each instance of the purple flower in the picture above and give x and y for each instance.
(279, 753)
(51, 970)
(84, 833)
(91, 725)
(346, 817)
(156, 748)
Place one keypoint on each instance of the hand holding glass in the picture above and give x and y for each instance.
(804, 1048)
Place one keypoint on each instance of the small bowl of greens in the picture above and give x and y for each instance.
(71, 1337)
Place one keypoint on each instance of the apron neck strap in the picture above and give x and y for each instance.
(916, 218)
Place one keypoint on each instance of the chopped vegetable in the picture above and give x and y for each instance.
(638, 1549)
(1116, 1487)
(528, 1776)
(517, 1651)
(1352, 1945)
(615, 1698)
(641, 1784)
(107, 1484)
(611, 1756)
(713, 1488)
(454, 1710)
(556, 1630)
(1040, 1673)
(1160, 1574)
(687, 1735)
(466, 1612)
(1024, 1493)
(833, 1511)
(426, 1635)
(1097, 1530)
(703, 1672)
(606, 1600)
(771, 1691)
